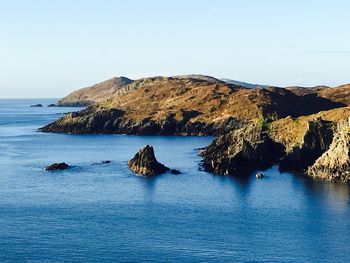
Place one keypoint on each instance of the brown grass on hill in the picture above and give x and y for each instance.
(339, 94)
(291, 131)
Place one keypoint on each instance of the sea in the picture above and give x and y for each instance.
(102, 212)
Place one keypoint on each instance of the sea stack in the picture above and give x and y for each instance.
(145, 163)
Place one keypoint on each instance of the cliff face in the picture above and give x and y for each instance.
(316, 140)
(242, 150)
(334, 164)
(96, 93)
(186, 106)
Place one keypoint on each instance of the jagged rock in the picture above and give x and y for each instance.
(241, 151)
(36, 106)
(334, 164)
(317, 138)
(57, 166)
(145, 163)
(259, 176)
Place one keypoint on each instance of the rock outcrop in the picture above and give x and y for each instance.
(57, 166)
(242, 151)
(145, 163)
(334, 164)
(36, 106)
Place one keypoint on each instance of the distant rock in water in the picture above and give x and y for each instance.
(36, 106)
(51, 105)
(145, 163)
(334, 164)
(57, 166)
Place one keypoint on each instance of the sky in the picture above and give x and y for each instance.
(51, 48)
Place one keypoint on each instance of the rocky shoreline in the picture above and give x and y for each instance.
(295, 128)
(89, 121)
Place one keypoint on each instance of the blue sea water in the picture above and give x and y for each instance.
(97, 212)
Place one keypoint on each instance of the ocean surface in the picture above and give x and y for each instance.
(97, 212)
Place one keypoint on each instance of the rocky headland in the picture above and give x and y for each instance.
(254, 127)
(186, 106)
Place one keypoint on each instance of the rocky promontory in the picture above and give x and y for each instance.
(186, 106)
(145, 163)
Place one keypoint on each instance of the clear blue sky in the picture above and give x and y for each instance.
(50, 48)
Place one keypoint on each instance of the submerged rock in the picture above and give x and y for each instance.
(36, 106)
(145, 163)
(51, 105)
(334, 164)
(57, 166)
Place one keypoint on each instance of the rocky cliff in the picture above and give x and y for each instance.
(294, 144)
(334, 164)
(316, 140)
(241, 151)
